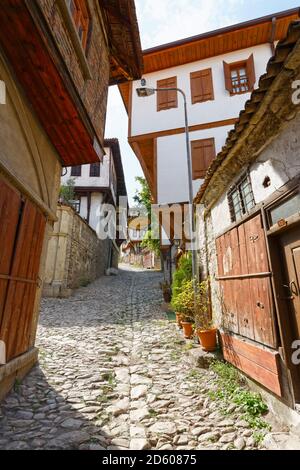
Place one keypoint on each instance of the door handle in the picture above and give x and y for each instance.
(294, 288)
(290, 297)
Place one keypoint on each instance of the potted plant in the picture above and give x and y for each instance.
(206, 332)
(182, 274)
(177, 307)
(186, 300)
(188, 327)
(166, 290)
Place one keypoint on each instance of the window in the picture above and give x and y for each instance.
(167, 99)
(202, 88)
(203, 153)
(285, 209)
(95, 169)
(76, 204)
(79, 12)
(76, 170)
(241, 198)
(240, 76)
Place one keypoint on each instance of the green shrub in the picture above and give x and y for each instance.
(182, 274)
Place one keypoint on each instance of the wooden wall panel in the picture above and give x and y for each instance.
(10, 204)
(258, 363)
(246, 291)
(22, 286)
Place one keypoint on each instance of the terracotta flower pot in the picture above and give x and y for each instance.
(187, 329)
(179, 319)
(208, 339)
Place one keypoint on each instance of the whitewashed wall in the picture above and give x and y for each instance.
(86, 180)
(95, 214)
(145, 117)
(172, 174)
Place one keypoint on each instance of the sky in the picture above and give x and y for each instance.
(162, 21)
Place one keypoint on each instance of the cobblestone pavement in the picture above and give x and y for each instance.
(113, 375)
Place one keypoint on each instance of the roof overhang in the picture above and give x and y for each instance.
(219, 42)
(36, 62)
(126, 60)
(114, 145)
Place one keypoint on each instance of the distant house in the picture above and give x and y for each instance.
(57, 59)
(249, 233)
(97, 184)
(80, 250)
(132, 250)
(217, 71)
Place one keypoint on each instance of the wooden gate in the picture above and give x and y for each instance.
(22, 230)
(245, 278)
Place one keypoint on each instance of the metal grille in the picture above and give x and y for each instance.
(241, 198)
(95, 169)
(76, 170)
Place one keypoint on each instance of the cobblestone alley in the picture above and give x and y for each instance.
(113, 375)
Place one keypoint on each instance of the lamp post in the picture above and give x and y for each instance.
(145, 91)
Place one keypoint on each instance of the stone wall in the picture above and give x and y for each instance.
(75, 255)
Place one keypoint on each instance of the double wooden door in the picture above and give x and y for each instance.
(22, 231)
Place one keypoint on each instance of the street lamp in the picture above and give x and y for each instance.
(145, 91)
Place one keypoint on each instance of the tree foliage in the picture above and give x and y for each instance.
(67, 191)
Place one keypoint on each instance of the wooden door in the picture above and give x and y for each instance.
(290, 295)
(22, 229)
(291, 250)
(246, 291)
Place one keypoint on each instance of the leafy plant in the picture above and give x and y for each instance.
(183, 273)
(231, 389)
(143, 197)
(192, 302)
(67, 191)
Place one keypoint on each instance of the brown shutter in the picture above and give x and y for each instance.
(203, 153)
(17, 316)
(227, 76)
(10, 204)
(167, 99)
(202, 86)
(251, 72)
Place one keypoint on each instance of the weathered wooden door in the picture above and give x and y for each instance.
(22, 229)
(290, 292)
(245, 278)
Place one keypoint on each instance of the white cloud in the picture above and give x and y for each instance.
(163, 21)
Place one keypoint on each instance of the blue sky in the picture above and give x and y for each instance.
(162, 21)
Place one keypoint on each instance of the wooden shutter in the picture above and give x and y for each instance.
(203, 153)
(202, 86)
(227, 76)
(251, 72)
(27, 226)
(167, 99)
